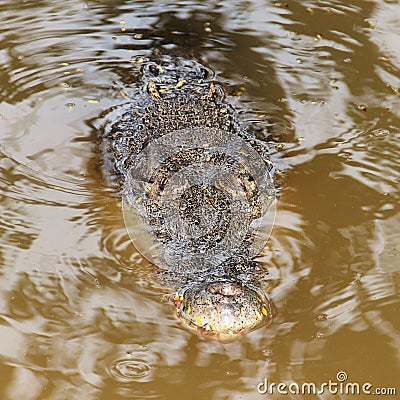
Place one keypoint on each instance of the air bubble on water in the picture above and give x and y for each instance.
(371, 22)
(268, 353)
(362, 107)
(381, 132)
(322, 317)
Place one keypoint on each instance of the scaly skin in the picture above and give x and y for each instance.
(208, 255)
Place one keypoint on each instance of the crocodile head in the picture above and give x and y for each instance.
(222, 309)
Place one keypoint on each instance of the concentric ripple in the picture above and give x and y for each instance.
(133, 367)
(198, 196)
(129, 370)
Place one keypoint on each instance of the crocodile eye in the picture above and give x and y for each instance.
(152, 69)
(204, 73)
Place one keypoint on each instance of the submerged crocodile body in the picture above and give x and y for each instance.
(197, 190)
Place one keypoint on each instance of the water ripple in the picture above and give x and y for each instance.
(134, 366)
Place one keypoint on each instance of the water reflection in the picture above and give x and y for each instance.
(81, 312)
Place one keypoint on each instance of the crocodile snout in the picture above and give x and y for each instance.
(223, 310)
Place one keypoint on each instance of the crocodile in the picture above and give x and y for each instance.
(197, 190)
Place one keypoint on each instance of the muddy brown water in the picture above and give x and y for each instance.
(81, 316)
